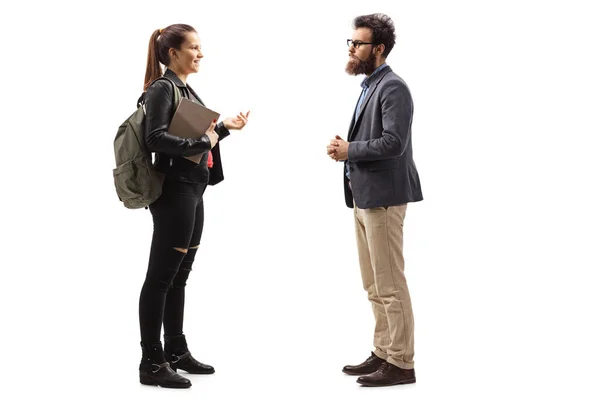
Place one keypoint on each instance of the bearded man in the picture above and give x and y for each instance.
(380, 179)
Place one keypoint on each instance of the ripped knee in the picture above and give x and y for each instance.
(179, 249)
(190, 255)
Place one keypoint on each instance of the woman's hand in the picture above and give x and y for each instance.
(212, 135)
(238, 122)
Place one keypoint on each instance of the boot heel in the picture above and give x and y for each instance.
(146, 380)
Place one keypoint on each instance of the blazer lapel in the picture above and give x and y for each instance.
(372, 89)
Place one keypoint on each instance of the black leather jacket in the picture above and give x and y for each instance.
(170, 149)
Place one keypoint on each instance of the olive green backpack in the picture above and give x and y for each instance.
(137, 183)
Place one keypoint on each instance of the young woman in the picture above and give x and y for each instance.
(189, 166)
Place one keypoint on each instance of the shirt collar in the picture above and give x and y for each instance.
(367, 81)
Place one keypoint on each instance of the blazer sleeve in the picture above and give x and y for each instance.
(159, 111)
(397, 109)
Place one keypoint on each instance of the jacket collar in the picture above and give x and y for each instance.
(173, 76)
(368, 81)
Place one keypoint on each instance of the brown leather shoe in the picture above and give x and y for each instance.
(388, 375)
(369, 366)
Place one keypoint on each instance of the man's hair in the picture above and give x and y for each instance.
(382, 27)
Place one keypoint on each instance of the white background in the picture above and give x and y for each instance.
(501, 257)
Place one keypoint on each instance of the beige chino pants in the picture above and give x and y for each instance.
(379, 236)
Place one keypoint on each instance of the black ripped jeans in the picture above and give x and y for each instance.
(178, 217)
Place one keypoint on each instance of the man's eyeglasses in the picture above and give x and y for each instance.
(356, 43)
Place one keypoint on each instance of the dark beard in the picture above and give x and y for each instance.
(358, 67)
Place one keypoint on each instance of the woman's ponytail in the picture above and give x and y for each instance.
(153, 68)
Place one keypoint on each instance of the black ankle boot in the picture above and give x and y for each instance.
(179, 357)
(155, 370)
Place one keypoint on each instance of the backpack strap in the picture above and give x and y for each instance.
(176, 94)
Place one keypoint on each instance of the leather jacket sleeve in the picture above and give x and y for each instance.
(222, 131)
(159, 112)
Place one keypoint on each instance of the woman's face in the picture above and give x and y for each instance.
(187, 59)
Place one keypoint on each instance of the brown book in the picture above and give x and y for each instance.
(191, 120)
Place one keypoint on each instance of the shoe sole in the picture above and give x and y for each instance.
(144, 380)
(406, 382)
